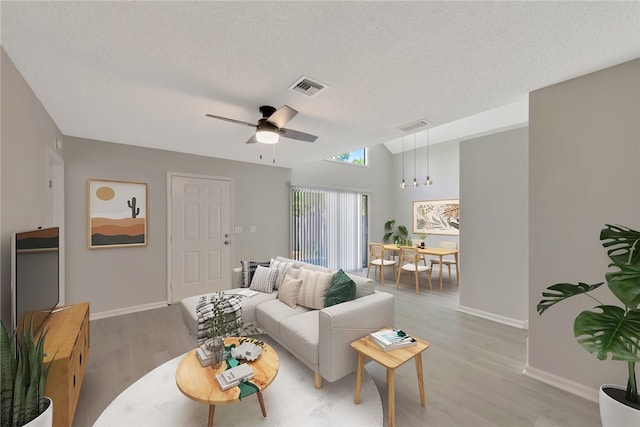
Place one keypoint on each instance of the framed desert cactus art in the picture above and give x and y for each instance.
(117, 213)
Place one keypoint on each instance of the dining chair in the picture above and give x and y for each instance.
(410, 261)
(377, 259)
(447, 260)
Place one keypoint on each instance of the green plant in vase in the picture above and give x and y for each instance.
(223, 322)
(610, 329)
(398, 235)
(23, 377)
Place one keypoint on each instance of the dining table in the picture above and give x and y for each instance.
(436, 252)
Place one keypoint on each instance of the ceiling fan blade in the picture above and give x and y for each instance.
(226, 119)
(282, 116)
(294, 134)
(252, 140)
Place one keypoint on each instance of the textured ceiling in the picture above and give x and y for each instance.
(146, 73)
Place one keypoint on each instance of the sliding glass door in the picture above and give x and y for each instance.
(329, 227)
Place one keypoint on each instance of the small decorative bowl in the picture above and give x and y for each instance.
(246, 350)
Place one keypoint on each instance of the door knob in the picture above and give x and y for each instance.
(226, 242)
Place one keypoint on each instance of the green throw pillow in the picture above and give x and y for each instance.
(341, 289)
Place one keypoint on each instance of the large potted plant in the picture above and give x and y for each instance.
(397, 235)
(611, 329)
(22, 383)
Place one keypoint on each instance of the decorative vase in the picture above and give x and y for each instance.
(614, 413)
(216, 346)
(45, 419)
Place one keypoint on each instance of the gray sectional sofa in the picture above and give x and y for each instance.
(318, 338)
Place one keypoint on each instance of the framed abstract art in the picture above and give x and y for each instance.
(436, 217)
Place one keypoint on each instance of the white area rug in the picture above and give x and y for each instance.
(291, 400)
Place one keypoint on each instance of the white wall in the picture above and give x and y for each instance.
(494, 239)
(584, 152)
(27, 133)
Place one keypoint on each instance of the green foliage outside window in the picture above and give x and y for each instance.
(356, 157)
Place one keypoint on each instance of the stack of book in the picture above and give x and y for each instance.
(205, 356)
(234, 376)
(391, 339)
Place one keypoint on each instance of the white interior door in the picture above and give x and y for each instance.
(199, 236)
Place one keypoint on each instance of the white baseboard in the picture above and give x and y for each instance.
(562, 383)
(127, 310)
(520, 324)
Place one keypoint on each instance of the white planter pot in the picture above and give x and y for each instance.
(614, 413)
(43, 420)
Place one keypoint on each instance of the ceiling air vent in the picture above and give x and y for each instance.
(414, 126)
(308, 87)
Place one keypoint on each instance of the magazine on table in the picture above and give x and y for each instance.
(391, 339)
(247, 293)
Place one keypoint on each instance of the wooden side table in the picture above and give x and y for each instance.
(199, 383)
(390, 360)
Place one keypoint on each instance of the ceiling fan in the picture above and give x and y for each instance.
(269, 128)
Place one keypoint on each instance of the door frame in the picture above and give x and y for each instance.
(56, 215)
(170, 175)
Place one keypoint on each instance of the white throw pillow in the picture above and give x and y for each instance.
(282, 267)
(314, 288)
(288, 292)
(264, 279)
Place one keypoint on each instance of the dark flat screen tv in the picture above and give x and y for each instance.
(35, 271)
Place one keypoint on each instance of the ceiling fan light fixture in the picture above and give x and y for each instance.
(267, 133)
(266, 136)
(270, 128)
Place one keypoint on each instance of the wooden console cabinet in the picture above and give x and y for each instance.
(67, 344)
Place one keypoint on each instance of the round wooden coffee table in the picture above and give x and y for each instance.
(199, 383)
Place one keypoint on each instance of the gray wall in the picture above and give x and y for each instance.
(124, 278)
(494, 223)
(444, 169)
(584, 153)
(26, 136)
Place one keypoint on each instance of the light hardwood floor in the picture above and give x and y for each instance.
(473, 369)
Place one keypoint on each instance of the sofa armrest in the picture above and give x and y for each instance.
(344, 323)
(236, 278)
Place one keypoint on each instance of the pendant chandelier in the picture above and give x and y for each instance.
(415, 183)
(403, 184)
(428, 181)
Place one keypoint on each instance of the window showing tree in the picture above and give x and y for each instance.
(356, 157)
